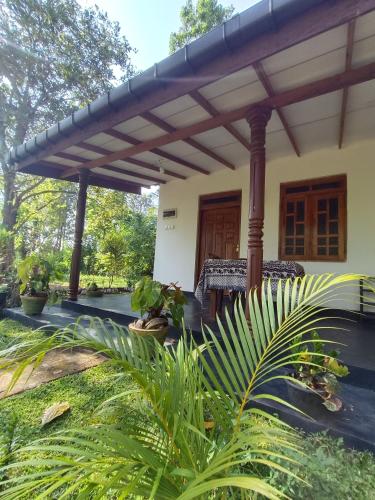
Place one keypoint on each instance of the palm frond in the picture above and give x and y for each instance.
(174, 456)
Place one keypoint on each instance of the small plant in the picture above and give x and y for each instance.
(93, 290)
(319, 371)
(35, 274)
(158, 302)
(92, 287)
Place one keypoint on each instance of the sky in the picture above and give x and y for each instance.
(147, 24)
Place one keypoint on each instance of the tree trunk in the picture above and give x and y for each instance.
(9, 213)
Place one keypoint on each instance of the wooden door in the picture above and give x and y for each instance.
(219, 234)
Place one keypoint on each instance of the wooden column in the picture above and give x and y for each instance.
(257, 118)
(78, 232)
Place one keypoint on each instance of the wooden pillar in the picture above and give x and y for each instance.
(257, 118)
(78, 232)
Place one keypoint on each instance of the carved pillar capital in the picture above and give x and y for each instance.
(259, 116)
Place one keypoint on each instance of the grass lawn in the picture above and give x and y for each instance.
(334, 472)
(101, 281)
(84, 391)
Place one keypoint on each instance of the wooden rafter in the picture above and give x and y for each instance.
(298, 94)
(80, 160)
(119, 170)
(105, 152)
(319, 19)
(211, 110)
(265, 81)
(140, 163)
(99, 180)
(345, 92)
(159, 152)
(155, 120)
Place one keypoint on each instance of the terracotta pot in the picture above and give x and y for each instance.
(159, 334)
(94, 293)
(33, 305)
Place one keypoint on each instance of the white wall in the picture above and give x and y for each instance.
(176, 248)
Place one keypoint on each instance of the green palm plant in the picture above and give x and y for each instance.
(175, 456)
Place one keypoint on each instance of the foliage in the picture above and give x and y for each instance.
(320, 374)
(35, 274)
(158, 301)
(134, 217)
(197, 20)
(92, 287)
(45, 221)
(86, 279)
(55, 56)
(4, 240)
(140, 236)
(331, 472)
(111, 257)
(174, 456)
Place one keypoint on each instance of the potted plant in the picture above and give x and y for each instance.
(316, 376)
(34, 274)
(159, 303)
(93, 290)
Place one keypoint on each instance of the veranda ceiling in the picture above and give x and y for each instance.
(311, 124)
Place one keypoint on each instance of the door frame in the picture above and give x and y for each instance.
(222, 203)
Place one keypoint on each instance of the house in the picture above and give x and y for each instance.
(261, 135)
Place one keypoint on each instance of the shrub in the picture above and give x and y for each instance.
(333, 472)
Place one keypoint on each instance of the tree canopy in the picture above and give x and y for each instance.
(55, 56)
(197, 20)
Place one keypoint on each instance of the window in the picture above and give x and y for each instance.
(313, 220)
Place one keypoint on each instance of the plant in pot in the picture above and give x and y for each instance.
(158, 303)
(34, 274)
(93, 290)
(316, 376)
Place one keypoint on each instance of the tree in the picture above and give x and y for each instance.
(112, 254)
(140, 236)
(46, 220)
(55, 56)
(197, 20)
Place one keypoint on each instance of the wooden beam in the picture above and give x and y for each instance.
(53, 170)
(211, 110)
(140, 163)
(345, 92)
(265, 81)
(155, 120)
(324, 17)
(119, 170)
(298, 94)
(92, 147)
(74, 170)
(71, 157)
(157, 151)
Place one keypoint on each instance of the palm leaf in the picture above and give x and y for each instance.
(173, 456)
